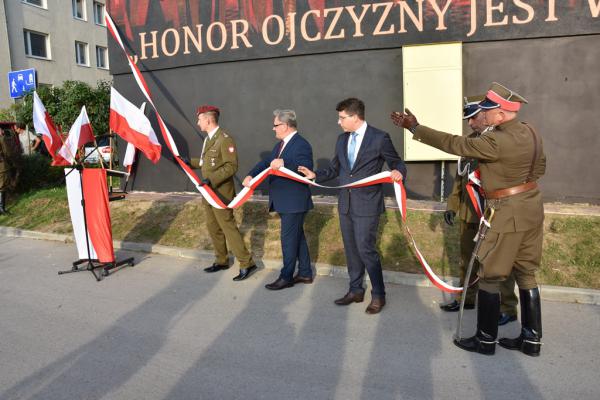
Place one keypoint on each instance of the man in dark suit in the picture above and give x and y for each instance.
(290, 199)
(360, 152)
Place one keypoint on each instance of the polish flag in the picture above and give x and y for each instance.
(43, 124)
(129, 158)
(133, 126)
(79, 134)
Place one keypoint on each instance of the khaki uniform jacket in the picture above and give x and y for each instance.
(505, 156)
(220, 163)
(7, 163)
(459, 200)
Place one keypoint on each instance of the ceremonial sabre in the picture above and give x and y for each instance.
(484, 226)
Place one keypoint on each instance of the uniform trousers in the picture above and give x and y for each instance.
(508, 298)
(223, 230)
(516, 252)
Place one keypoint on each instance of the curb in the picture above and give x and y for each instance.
(548, 293)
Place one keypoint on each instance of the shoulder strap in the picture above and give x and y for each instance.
(536, 151)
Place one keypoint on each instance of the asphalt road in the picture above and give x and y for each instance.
(164, 329)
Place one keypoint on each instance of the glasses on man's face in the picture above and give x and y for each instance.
(276, 125)
(343, 117)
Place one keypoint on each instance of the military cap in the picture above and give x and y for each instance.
(206, 108)
(471, 106)
(499, 96)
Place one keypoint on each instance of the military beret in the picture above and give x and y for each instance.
(471, 106)
(206, 108)
(499, 96)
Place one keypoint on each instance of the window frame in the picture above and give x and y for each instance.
(83, 10)
(86, 54)
(105, 58)
(43, 5)
(27, 44)
(102, 21)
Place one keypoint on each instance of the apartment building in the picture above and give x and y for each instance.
(61, 39)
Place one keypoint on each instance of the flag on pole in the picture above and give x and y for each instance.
(133, 126)
(80, 133)
(129, 158)
(43, 124)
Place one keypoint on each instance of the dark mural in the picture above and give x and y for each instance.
(170, 33)
(554, 67)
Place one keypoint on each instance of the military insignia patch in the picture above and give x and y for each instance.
(231, 149)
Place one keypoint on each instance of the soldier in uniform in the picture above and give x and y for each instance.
(7, 168)
(219, 163)
(460, 203)
(511, 159)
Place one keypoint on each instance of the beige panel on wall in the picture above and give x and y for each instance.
(433, 92)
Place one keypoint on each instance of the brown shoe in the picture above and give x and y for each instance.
(350, 298)
(303, 279)
(376, 305)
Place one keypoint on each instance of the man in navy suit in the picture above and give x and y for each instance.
(360, 152)
(290, 199)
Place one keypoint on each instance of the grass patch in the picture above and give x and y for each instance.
(571, 255)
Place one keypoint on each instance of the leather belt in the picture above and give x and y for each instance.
(511, 191)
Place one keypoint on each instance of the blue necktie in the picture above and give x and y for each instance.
(352, 149)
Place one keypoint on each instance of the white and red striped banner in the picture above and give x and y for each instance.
(214, 200)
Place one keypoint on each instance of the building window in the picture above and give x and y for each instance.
(79, 9)
(98, 13)
(38, 3)
(101, 57)
(36, 44)
(81, 54)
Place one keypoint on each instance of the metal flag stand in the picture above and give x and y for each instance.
(89, 263)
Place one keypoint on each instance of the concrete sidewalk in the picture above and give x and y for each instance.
(164, 329)
(549, 293)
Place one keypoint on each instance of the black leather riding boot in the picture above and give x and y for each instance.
(488, 311)
(2, 200)
(529, 341)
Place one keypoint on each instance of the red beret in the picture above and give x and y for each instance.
(206, 108)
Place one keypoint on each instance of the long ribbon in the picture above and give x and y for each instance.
(382, 177)
(215, 201)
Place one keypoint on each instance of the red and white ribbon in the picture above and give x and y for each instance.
(475, 192)
(382, 177)
(246, 193)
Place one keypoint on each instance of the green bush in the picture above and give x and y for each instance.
(36, 173)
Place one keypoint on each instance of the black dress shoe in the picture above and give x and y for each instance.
(303, 279)
(245, 272)
(505, 319)
(279, 284)
(350, 298)
(216, 268)
(454, 306)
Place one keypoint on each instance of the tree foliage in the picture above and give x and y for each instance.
(64, 104)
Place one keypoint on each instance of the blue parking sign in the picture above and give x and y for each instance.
(21, 82)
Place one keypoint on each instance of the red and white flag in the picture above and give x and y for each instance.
(129, 158)
(80, 133)
(43, 124)
(133, 126)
